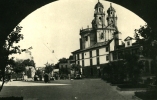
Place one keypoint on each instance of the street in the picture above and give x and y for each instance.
(84, 89)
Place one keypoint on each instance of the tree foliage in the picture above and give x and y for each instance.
(63, 60)
(76, 68)
(29, 62)
(148, 41)
(133, 68)
(18, 66)
(56, 66)
(48, 68)
(8, 49)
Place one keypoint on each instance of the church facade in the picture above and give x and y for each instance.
(97, 42)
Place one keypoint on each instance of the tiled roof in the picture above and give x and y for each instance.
(98, 5)
(95, 45)
(111, 8)
(71, 57)
(128, 38)
(99, 44)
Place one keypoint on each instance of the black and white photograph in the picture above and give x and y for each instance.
(78, 50)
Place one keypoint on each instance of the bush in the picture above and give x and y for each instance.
(11, 98)
(148, 95)
(133, 86)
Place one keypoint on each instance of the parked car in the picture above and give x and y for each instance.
(78, 76)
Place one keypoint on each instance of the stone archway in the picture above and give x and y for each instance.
(13, 11)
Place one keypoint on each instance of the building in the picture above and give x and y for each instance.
(97, 42)
(131, 47)
(102, 44)
(30, 71)
(65, 66)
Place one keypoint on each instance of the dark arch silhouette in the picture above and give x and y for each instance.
(13, 11)
(146, 9)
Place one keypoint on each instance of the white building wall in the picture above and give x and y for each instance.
(112, 46)
(111, 56)
(87, 43)
(107, 35)
(86, 62)
(99, 32)
(102, 59)
(102, 51)
(76, 62)
(76, 57)
(93, 53)
(81, 62)
(94, 61)
(111, 34)
(86, 54)
(126, 45)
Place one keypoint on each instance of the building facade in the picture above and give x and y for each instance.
(97, 42)
(65, 67)
(102, 44)
(131, 47)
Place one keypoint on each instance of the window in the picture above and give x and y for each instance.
(128, 43)
(78, 62)
(99, 18)
(107, 49)
(114, 56)
(107, 57)
(99, 9)
(86, 38)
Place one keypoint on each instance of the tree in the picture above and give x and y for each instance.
(18, 67)
(48, 68)
(133, 68)
(147, 38)
(63, 60)
(76, 68)
(115, 71)
(8, 49)
(29, 62)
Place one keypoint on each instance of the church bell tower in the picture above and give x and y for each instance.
(99, 16)
(111, 18)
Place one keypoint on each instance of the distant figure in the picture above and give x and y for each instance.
(9, 77)
(35, 77)
(46, 78)
(40, 77)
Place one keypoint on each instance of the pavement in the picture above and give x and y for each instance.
(83, 89)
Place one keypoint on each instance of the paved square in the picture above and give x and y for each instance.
(85, 89)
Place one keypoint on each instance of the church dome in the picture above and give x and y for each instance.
(111, 8)
(99, 5)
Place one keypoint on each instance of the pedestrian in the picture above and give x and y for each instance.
(46, 78)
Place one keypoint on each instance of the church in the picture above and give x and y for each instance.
(97, 42)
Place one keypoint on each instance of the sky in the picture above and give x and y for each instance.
(55, 27)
